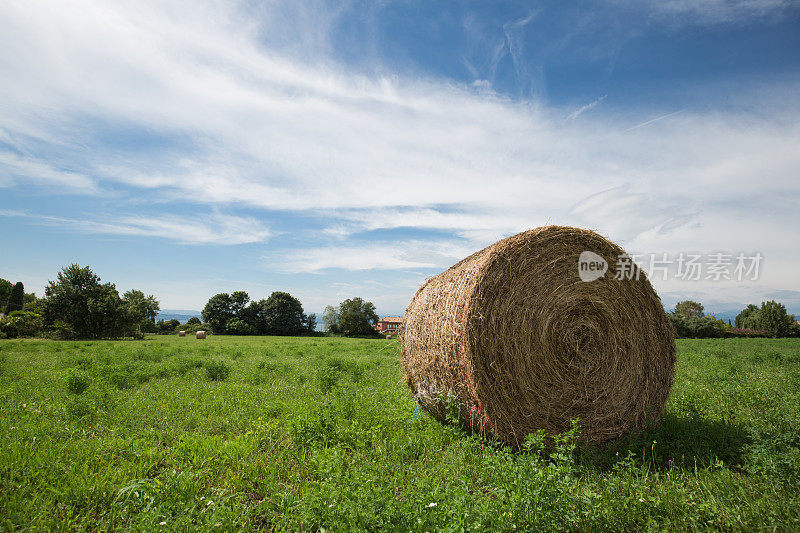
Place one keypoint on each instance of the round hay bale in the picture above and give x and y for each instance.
(181, 333)
(511, 340)
(200, 335)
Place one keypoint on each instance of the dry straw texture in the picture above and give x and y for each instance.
(181, 333)
(200, 335)
(513, 341)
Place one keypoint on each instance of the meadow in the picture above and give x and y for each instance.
(280, 433)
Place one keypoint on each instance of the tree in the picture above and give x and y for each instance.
(5, 293)
(86, 307)
(193, 320)
(253, 315)
(311, 323)
(218, 311)
(167, 326)
(283, 314)
(689, 310)
(356, 317)
(748, 318)
(142, 310)
(774, 319)
(330, 319)
(238, 301)
(31, 302)
(17, 299)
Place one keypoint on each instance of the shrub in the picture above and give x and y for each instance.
(237, 326)
(740, 332)
(217, 370)
(21, 324)
(167, 327)
(190, 327)
(62, 330)
(77, 382)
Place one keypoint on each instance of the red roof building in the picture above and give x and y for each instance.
(389, 324)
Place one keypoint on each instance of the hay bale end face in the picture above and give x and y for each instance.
(181, 333)
(200, 335)
(513, 340)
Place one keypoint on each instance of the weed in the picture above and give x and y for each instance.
(78, 382)
(217, 370)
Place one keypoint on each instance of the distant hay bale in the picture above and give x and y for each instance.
(181, 333)
(200, 335)
(511, 341)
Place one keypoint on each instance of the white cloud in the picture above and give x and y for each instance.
(14, 168)
(404, 255)
(710, 12)
(211, 229)
(725, 10)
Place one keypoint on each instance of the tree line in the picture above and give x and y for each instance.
(282, 314)
(77, 305)
(689, 320)
(279, 314)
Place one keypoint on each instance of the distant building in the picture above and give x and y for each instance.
(389, 324)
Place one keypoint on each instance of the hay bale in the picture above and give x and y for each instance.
(200, 335)
(513, 341)
(181, 333)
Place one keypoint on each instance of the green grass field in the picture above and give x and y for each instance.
(312, 433)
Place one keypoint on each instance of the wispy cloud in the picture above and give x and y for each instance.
(715, 11)
(578, 112)
(651, 121)
(406, 255)
(211, 229)
(15, 168)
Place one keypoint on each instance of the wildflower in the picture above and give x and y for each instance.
(432, 504)
(162, 523)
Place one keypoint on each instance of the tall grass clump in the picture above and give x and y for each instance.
(217, 370)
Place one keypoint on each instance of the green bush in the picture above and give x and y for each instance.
(21, 324)
(193, 327)
(62, 331)
(217, 370)
(239, 327)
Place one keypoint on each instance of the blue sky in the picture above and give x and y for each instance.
(355, 148)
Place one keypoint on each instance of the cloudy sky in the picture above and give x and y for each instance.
(354, 148)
